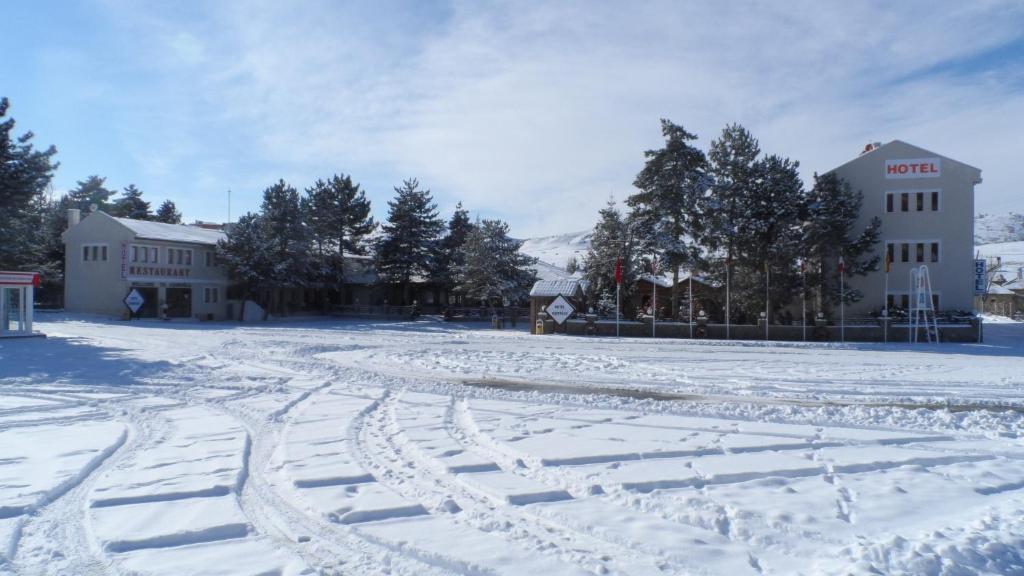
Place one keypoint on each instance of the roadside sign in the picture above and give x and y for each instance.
(560, 309)
(979, 276)
(134, 301)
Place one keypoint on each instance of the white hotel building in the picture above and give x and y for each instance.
(926, 204)
(172, 266)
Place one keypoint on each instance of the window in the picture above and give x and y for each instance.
(889, 202)
(188, 257)
(890, 300)
(920, 201)
(935, 201)
(904, 202)
(211, 295)
(94, 253)
(920, 251)
(935, 301)
(208, 256)
(889, 252)
(153, 255)
(135, 253)
(904, 252)
(905, 301)
(935, 252)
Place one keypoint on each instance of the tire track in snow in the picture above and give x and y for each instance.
(329, 548)
(58, 538)
(388, 454)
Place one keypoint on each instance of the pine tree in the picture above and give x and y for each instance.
(286, 238)
(131, 205)
(91, 192)
(408, 247)
(673, 185)
(245, 253)
(732, 159)
(493, 270)
(768, 248)
(337, 216)
(168, 213)
(25, 174)
(833, 210)
(615, 239)
(449, 254)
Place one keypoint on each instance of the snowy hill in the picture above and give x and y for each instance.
(997, 228)
(554, 252)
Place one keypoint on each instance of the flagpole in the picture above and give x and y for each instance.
(885, 304)
(654, 298)
(727, 298)
(803, 299)
(691, 303)
(767, 295)
(617, 305)
(842, 300)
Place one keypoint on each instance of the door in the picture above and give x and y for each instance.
(179, 302)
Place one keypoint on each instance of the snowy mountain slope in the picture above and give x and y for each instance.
(998, 228)
(554, 252)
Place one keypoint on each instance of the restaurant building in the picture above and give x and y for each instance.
(172, 266)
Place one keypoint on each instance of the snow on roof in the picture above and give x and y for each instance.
(997, 289)
(171, 232)
(546, 288)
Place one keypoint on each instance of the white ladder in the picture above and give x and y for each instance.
(922, 311)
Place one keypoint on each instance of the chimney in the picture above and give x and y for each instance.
(74, 215)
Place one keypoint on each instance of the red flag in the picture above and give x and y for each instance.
(842, 266)
(618, 270)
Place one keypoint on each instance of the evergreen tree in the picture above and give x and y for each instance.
(286, 239)
(168, 213)
(833, 210)
(769, 245)
(615, 239)
(25, 174)
(91, 192)
(337, 216)
(245, 253)
(131, 205)
(673, 185)
(449, 254)
(493, 270)
(407, 249)
(572, 265)
(732, 159)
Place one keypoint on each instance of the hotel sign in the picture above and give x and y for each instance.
(913, 168)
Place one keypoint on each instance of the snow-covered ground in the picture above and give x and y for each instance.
(426, 448)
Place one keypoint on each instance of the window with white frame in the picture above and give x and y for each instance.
(211, 295)
(913, 201)
(924, 252)
(145, 254)
(94, 253)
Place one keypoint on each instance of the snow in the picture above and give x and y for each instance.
(326, 446)
(148, 230)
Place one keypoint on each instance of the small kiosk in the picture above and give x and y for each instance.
(16, 303)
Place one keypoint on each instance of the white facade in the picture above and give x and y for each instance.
(173, 266)
(926, 204)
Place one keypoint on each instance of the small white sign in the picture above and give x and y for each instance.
(134, 301)
(913, 168)
(560, 309)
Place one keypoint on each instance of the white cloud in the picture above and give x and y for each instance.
(535, 113)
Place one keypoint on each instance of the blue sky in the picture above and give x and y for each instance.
(534, 113)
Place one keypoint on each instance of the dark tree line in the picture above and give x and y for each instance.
(737, 214)
(306, 240)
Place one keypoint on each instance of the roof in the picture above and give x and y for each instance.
(917, 149)
(551, 288)
(171, 232)
(997, 289)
